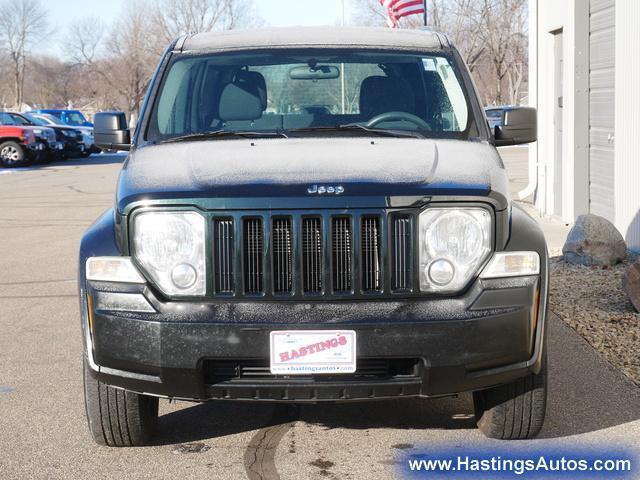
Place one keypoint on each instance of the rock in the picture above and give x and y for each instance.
(631, 283)
(594, 240)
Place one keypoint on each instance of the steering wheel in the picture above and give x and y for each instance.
(395, 116)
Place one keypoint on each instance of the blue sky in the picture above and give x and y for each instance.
(274, 12)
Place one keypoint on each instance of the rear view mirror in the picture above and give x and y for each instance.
(110, 131)
(318, 72)
(519, 125)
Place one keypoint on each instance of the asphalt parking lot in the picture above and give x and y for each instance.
(43, 434)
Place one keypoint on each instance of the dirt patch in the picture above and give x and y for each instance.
(323, 464)
(402, 446)
(592, 301)
(191, 448)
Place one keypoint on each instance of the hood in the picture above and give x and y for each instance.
(45, 132)
(13, 130)
(282, 168)
(83, 129)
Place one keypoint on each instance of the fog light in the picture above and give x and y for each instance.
(441, 272)
(184, 275)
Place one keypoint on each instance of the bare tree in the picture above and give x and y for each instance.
(518, 55)
(119, 59)
(22, 23)
(85, 39)
(171, 18)
(123, 59)
(501, 24)
(131, 59)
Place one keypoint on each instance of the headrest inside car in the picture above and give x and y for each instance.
(257, 79)
(241, 99)
(380, 94)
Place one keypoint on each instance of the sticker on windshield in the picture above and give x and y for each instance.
(429, 65)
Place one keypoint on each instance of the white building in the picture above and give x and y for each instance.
(584, 74)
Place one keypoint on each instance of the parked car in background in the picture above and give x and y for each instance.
(72, 138)
(19, 145)
(495, 115)
(53, 149)
(69, 117)
(76, 119)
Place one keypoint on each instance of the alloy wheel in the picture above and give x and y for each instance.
(10, 154)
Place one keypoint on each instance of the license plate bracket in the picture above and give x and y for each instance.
(312, 352)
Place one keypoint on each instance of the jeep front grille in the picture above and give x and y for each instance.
(223, 255)
(341, 257)
(282, 255)
(401, 267)
(371, 252)
(253, 256)
(312, 255)
(257, 254)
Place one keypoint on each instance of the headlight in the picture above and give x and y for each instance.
(170, 247)
(454, 244)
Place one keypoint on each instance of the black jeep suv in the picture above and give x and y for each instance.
(314, 215)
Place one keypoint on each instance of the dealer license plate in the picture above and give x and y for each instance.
(305, 352)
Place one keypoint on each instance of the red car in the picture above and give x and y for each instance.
(18, 145)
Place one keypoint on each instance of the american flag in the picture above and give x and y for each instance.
(396, 9)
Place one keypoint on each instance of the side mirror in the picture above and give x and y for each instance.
(519, 125)
(110, 131)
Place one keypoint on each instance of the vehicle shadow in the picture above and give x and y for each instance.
(94, 159)
(210, 420)
(586, 394)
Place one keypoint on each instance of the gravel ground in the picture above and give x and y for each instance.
(592, 301)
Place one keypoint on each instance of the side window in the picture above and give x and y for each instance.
(173, 106)
(18, 120)
(6, 119)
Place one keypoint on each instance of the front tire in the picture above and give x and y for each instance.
(118, 418)
(12, 154)
(514, 411)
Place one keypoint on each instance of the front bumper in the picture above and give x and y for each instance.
(35, 147)
(489, 336)
(73, 148)
(55, 148)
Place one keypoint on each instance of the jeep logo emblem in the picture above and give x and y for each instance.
(322, 189)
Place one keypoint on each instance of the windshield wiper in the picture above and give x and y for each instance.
(226, 133)
(357, 127)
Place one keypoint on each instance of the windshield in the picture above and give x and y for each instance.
(74, 118)
(312, 93)
(13, 119)
(35, 119)
(49, 119)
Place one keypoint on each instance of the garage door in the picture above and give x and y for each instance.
(601, 107)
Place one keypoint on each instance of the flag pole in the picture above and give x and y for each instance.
(425, 12)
